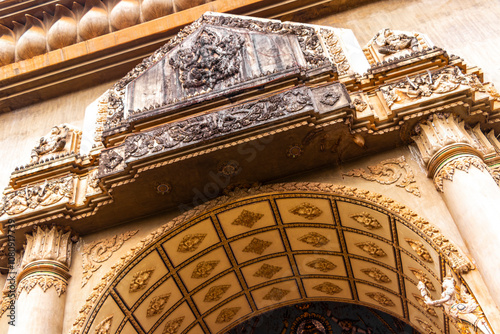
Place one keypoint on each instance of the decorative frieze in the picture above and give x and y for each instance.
(44, 281)
(390, 171)
(99, 251)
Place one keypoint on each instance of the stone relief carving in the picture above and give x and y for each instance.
(157, 304)
(40, 195)
(306, 210)
(422, 277)
(390, 171)
(215, 293)
(191, 242)
(61, 139)
(426, 307)
(45, 282)
(380, 298)
(48, 243)
(212, 58)
(104, 327)
(99, 251)
(458, 306)
(140, 280)
(371, 248)
(205, 127)
(462, 163)
(377, 275)
(172, 326)
(452, 255)
(204, 269)
(425, 85)
(335, 50)
(227, 314)
(426, 326)
(330, 98)
(257, 246)
(267, 271)
(93, 183)
(359, 104)
(328, 288)
(322, 265)
(276, 294)
(366, 220)
(314, 239)
(420, 249)
(390, 43)
(247, 218)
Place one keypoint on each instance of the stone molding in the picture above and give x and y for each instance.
(44, 281)
(459, 262)
(463, 163)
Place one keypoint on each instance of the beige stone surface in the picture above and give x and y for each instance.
(466, 28)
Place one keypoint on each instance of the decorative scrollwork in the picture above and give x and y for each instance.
(45, 282)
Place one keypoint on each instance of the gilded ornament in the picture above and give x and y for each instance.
(390, 171)
(419, 248)
(104, 327)
(314, 239)
(204, 269)
(366, 220)
(172, 326)
(307, 211)
(422, 277)
(426, 307)
(191, 242)
(276, 294)
(371, 248)
(322, 265)
(267, 271)
(247, 218)
(99, 251)
(215, 293)
(157, 304)
(377, 275)
(45, 282)
(328, 288)
(257, 246)
(227, 314)
(380, 298)
(140, 280)
(462, 163)
(427, 327)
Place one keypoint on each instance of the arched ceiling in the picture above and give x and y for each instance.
(261, 252)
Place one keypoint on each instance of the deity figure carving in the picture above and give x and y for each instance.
(390, 43)
(459, 306)
(54, 142)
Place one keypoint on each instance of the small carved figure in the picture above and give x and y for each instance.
(390, 43)
(54, 142)
(459, 306)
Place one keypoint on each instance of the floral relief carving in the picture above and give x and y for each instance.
(40, 195)
(322, 265)
(204, 269)
(215, 293)
(426, 307)
(452, 255)
(99, 251)
(330, 98)
(267, 271)
(328, 288)
(93, 183)
(371, 248)
(227, 314)
(157, 304)
(247, 218)
(45, 282)
(191, 242)
(335, 50)
(422, 277)
(257, 246)
(377, 275)
(462, 163)
(307, 211)
(140, 280)
(427, 327)
(172, 326)
(391, 171)
(366, 220)
(276, 294)
(314, 239)
(104, 327)
(380, 298)
(420, 249)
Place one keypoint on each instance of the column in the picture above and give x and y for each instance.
(42, 281)
(454, 158)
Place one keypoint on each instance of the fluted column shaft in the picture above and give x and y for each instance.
(42, 282)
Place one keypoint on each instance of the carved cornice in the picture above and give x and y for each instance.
(453, 256)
